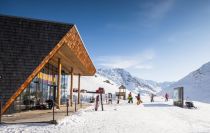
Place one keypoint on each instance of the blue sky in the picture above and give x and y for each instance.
(161, 40)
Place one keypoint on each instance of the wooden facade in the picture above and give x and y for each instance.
(27, 45)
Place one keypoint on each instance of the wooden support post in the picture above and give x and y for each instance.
(59, 84)
(71, 89)
(118, 98)
(53, 112)
(75, 108)
(67, 105)
(78, 100)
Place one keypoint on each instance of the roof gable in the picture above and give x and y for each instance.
(24, 43)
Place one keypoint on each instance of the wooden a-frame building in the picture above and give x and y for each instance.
(35, 55)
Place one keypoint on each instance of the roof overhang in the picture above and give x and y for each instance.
(73, 55)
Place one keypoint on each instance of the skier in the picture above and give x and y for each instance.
(152, 97)
(130, 98)
(166, 97)
(138, 99)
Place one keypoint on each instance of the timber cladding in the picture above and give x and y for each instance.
(77, 47)
(26, 45)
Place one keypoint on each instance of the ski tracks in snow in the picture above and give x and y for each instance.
(158, 117)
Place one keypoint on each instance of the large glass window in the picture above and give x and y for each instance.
(41, 89)
(64, 82)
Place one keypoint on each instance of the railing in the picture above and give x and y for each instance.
(120, 93)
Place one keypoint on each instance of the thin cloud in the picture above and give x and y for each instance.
(150, 13)
(140, 61)
(160, 9)
(155, 11)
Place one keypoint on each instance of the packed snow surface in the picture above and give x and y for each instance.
(157, 117)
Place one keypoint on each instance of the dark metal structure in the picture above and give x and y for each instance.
(179, 96)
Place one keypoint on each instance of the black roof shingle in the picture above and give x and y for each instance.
(23, 45)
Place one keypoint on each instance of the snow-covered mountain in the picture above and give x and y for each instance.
(111, 78)
(92, 83)
(166, 84)
(196, 84)
(133, 84)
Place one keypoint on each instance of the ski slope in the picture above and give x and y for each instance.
(196, 85)
(158, 117)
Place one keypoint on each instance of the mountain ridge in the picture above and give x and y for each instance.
(196, 84)
(136, 85)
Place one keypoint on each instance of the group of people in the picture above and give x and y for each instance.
(153, 95)
(139, 101)
(138, 98)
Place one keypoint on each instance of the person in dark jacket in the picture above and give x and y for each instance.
(50, 103)
(152, 97)
(166, 97)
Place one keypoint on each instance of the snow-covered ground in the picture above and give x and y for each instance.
(158, 117)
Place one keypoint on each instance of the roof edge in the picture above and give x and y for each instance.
(84, 45)
(36, 19)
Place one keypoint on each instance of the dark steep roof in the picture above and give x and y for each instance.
(23, 45)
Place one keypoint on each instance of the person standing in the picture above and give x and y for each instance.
(130, 98)
(138, 99)
(166, 97)
(152, 97)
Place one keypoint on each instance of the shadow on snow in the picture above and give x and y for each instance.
(157, 105)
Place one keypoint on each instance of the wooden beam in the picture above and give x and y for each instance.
(54, 63)
(59, 84)
(77, 47)
(78, 100)
(74, 42)
(32, 76)
(71, 88)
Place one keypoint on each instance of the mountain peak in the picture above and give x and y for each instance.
(122, 77)
(196, 84)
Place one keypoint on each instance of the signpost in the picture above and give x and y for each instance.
(96, 106)
(102, 107)
(99, 91)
